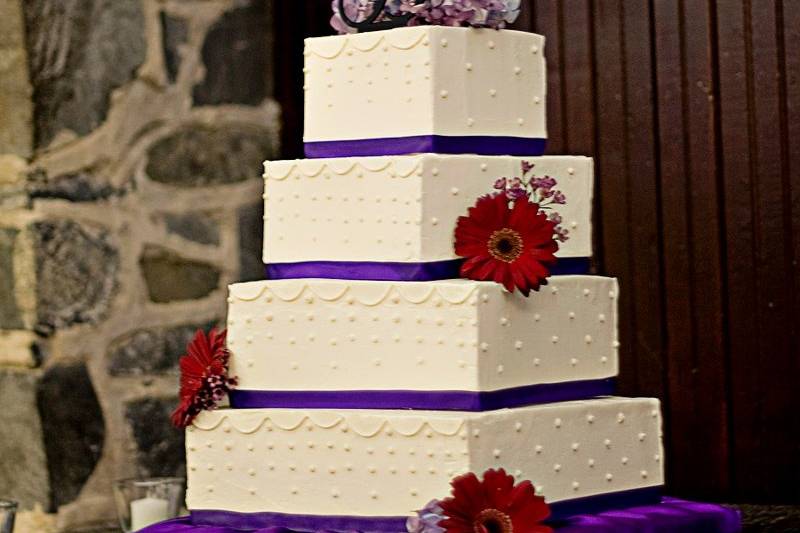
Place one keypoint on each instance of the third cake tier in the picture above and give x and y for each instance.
(445, 339)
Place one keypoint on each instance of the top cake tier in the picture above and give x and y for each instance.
(425, 89)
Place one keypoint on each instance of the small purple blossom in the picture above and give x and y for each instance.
(555, 217)
(545, 184)
(527, 166)
(559, 198)
(427, 519)
(515, 193)
(500, 183)
(515, 189)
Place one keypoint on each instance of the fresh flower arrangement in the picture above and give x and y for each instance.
(204, 376)
(511, 236)
(492, 505)
(477, 13)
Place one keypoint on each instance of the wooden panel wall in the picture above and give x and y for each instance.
(692, 111)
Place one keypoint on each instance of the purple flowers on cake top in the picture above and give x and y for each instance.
(477, 13)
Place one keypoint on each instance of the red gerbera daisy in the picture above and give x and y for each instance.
(204, 376)
(494, 505)
(510, 245)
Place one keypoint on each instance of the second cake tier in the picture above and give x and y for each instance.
(352, 214)
(449, 339)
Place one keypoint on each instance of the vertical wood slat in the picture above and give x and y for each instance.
(737, 145)
(546, 21)
(643, 226)
(710, 408)
(576, 75)
(692, 111)
(676, 263)
(772, 299)
(286, 60)
(294, 21)
(526, 18)
(614, 201)
(791, 187)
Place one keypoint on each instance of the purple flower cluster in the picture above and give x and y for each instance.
(427, 519)
(539, 190)
(477, 13)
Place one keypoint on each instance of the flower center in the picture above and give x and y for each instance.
(492, 521)
(505, 245)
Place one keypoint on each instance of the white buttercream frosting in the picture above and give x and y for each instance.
(389, 463)
(401, 208)
(425, 80)
(442, 335)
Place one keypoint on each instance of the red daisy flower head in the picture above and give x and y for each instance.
(494, 505)
(204, 376)
(513, 246)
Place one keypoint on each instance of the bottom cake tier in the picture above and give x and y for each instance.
(350, 468)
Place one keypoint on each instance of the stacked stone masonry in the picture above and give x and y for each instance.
(131, 143)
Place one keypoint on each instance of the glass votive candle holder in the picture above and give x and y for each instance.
(8, 512)
(144, 502)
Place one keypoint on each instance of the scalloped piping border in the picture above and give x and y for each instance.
(371, 43)
(448, 428)
(294, 293)
(311, 168)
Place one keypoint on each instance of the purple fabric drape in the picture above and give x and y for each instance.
(669, 516)
(440, 144)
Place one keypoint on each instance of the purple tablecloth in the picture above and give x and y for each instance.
(667, 517)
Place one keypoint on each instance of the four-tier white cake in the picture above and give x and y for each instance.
(368, 376)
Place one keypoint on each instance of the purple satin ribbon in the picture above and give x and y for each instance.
(560, 511)
(669, 516)
(440, 144)
(423, 400)
(299, 522)
(375, 271)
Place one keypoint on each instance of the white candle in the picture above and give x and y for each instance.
(147, 511)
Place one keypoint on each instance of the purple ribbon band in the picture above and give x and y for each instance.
(560, 511)
(375, 271)
(440, 144)
(667, 516)
(423, 400)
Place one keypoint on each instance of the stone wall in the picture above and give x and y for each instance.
(131, 139)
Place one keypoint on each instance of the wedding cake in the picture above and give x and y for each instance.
(427, 318)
